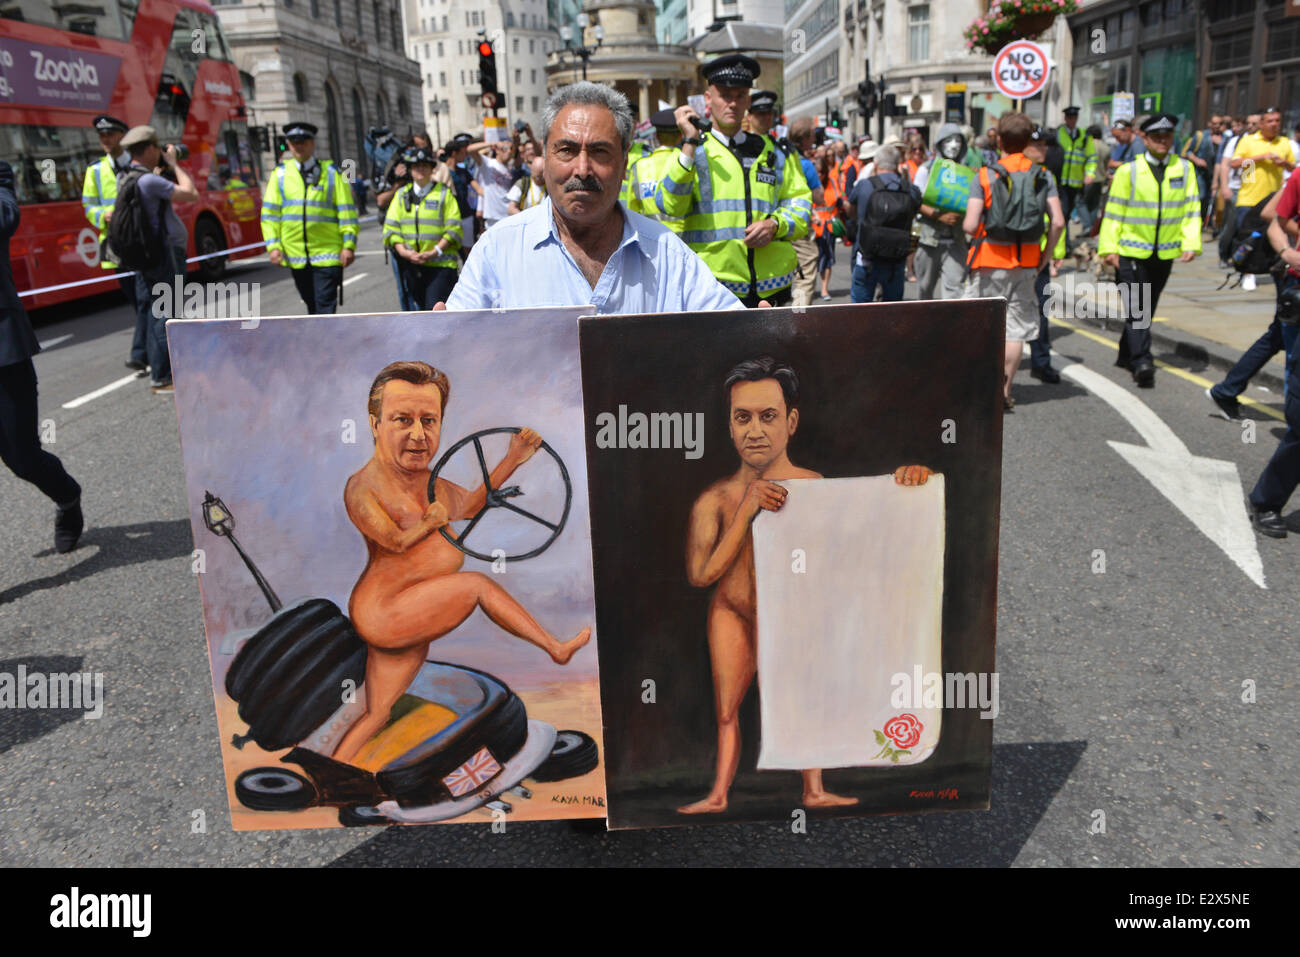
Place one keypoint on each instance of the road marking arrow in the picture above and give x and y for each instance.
(1207, 491)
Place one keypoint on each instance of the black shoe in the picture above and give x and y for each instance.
(1267, 521)
(1145, 377)
(1228, 408)
(1046, 374)
(68, 523)
(137, 365)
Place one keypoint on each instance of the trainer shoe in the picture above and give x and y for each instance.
(137, 365)
(1248, 282)
(1226, 407)
(1046, 374)
(162, 388)
(68, 525)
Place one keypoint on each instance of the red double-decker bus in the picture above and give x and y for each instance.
(161, 62)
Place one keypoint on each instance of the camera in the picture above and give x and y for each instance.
(1288, 306)
(182, 151)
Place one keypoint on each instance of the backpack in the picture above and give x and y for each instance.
(1251, 251)
(886, 229)
(131, 237)
(1017, 205)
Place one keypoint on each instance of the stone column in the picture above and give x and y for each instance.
(643, 98)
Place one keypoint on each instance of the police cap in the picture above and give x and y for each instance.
(109, 124)
(665, 120)
(734, 69)
(1160, 123)
(762, 101)
(300, 131)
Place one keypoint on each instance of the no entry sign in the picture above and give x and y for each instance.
(1020, 69)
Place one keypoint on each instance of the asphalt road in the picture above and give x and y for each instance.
(1121, 690)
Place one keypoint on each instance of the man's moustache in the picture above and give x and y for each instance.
(590, 185)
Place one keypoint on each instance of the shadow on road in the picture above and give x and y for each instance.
(1026, 777)
(19, 725)
(116, 546)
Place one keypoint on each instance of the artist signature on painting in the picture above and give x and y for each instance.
(943, 794)
(594, 801)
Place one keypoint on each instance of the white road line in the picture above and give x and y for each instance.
(1207, 491)
(55, 341)
(102, 390)
(360, 275)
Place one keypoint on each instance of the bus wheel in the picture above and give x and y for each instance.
(209, 239)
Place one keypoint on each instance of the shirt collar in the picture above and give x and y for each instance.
(541, 229)
(729, 141)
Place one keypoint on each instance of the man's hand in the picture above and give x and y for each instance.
(169, 156)
(1291, 257)
(1188, 255)
(439, 307)
(399, 170)
(683, 115)
(522, 446)
(1087, 180)
(1112, 260)
(435, 516)
(950, 219)
(108, 214)
(760, 233)
(912, 474)
(277, 257)
(761, 495)
(347, 257)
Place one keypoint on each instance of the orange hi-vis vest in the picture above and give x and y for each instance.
(987, 254)
(824, 214)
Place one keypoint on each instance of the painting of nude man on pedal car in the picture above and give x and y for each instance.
(415, 489)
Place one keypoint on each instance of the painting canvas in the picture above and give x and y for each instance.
(795, 535)
(393, 551)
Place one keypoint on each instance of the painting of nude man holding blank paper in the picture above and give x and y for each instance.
(832, 540)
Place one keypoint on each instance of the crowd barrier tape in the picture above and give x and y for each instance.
(114, 276)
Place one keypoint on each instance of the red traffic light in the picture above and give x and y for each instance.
(484, 48)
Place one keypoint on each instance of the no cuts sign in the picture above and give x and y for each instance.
(1020, 69)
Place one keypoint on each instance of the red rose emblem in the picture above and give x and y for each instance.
(905, 730)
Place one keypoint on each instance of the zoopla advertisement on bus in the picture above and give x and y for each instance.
(37, 74)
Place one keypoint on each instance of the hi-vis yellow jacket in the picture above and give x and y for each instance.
(1146, 218)
(98, 194)
(311, 225)
(420, 224)
(643, 179)
(1080, 155)
(723, 190)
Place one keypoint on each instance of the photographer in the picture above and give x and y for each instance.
(159, 181)
(1278, 481)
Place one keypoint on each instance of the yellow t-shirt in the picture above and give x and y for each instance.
(1263, 178)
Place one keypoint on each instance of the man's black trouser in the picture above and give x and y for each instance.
(319, 288)
(1140, 283)
(20, 440)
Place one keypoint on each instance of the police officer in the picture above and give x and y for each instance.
(1152, 217)
(645, 174)
(308, 220)
(1078, 170)
(98, 195)
(423, 228)
(742, 211)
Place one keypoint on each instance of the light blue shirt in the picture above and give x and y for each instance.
(521, 262)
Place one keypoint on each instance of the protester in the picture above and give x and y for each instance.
(527, 192)
(884, 205)
(1009, 268)
(158, 181)
(1040, 349)
(455, 155)
(494, 178)
(1230, 183)
(806, 251)
(1198, 149)
(580, 246)
(825, 215)
(1268, 154)
(20, 441)
(940, 258)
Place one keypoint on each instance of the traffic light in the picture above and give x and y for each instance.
(867, 97)
(837, 121)
(487, 72)
(890, 105)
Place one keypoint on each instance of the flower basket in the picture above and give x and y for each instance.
(1010, 20)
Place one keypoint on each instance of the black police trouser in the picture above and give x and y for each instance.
(1040, 350)
(20, 441)
(781, 298)
(427, 285)
(1140, 283)
(319, 288)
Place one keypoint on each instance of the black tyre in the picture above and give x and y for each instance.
(575, 753)
(307, 659)
(361, 815)
(271, 640)
(274, 789)
(208, 238)
(304, 707)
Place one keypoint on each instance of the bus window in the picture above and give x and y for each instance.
(235, 166)
(49, 162)
(91, 19)
(214, 39)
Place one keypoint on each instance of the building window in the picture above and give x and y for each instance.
(358, 124)
(440, 49)
(249, 84)
(395, 30)
(514, 45)
(519, 105)
(531, 44)
(332, 121)
(358, 9)
(338, 13)
(918, 33)
(533, 76)
(534, 104)
(426, 51)
(300, 88)
(1231, 50)
(374, 6)
(519, 76)
(442, 78)
(444, 24)
(315, 9)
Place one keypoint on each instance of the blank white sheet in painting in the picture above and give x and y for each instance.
(867, 605)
